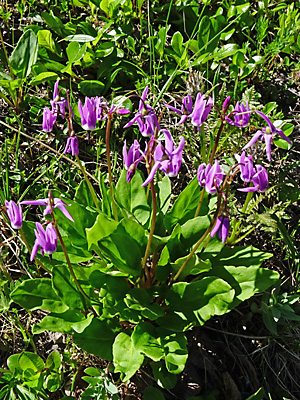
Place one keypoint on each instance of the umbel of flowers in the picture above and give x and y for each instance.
(160, 152)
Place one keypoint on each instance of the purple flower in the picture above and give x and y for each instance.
(58, 103)
(186, 108)
(260, 181)
(201, 110)
(241, 116)
(47, 240)
(88, 113)
(14, 213)
(49, 118)
(167, 158)
(45, 202)
(132, 158)
(145, 117)
(268, 133)
(226, 104)
(246, 166)
(221, 226)
(72, 145)
(210, 176)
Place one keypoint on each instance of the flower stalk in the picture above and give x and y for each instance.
(108, 126)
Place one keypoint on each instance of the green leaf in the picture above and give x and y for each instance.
(240, 256)
(145, 341)
(126, 358)
(151, 393)
(45, 39)
(98, 338)
(195, 266)
(185, 205)
(246, 281)
(75, 52)
(205, 298)
(36, 294)
(30, 361)
(193, 230)
(66, 322)
(25, 54)
(123, 251)
(91, 88)
(162, 376)
(104, 49)
(227, 50)
(175, 348)
(79, 38)
(164, 194)
(84, 217)
(138, 299)
(44, 77)
(53, 361)
(103, 227)
(66, 288)
(132, 198)
(83, 195)
(176, 43)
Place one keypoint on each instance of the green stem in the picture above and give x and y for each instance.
(6, 56)
(108, 126)
(200, 203)
(213, 153)
(173, 279)
(88, 182)
(154, 211)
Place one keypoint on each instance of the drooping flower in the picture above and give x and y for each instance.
(88, 113)
(145, 117)
(221, 226)
(260, 181)
(72, 146)
(210, 177)
(60, 204)
(167, 158)
(46, 240)
(186, 108)
(49, 118)
(267, 133)
(14, 213)
(201, 110)
(246, 166)
(240, 115)
(132, 158)
(59, 103)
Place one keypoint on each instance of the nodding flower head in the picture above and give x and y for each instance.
(14, 213)
(260, 180)
(59, 103)
(210, 177)
(221, 226)
(88, 113)
(167, 158)
(132, 158)
(267, 133)
(246, 166)
(44, 239)
(145, 117)
(72, 145)
(201, 110)
(186, 108)
(241, 116)
(49, 118)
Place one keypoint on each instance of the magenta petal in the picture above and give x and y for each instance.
(253, 140)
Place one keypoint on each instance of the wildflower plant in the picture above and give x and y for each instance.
(132, 271)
